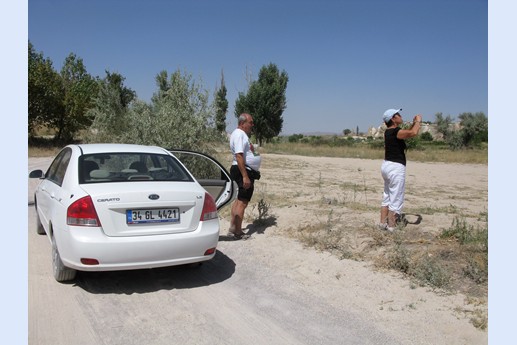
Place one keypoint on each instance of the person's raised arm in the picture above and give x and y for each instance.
(411, 132)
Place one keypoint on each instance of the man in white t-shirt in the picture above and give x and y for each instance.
(244, 156)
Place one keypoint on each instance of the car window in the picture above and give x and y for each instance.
(200, 166)
(210, 174)
(118, 167)
(56, 171)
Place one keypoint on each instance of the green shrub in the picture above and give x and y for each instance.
(295, 138)
(426, 136)
(466, 233)
(178, 116)
(475, 243)
(430, 271)
(376, 144)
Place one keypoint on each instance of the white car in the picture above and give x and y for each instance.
(120, 207)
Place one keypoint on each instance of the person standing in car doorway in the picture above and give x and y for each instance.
(244, 170)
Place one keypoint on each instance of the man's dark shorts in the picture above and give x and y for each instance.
(244, 194)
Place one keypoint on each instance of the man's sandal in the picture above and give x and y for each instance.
(239, 236)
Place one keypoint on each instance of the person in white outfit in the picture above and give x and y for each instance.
(393, 168)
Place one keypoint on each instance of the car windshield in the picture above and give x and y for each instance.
(118, 167)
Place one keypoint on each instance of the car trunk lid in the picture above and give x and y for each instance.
(147, 207)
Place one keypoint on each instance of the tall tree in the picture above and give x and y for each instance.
(116, 81)
(80, 90)
(221, 106)
(45, 91)
(110, 107)
(443, 125)
(179, 116)
(162, 81)
(265, 101)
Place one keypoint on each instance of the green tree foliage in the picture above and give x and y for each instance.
(426, 136)
(109, 113)
(179, 117)
(347, 131)
(265, 101)
(116, 81)
(80, 90)
(443, 125)
(162, 81)
(221, 106)
(45, 91)
(295, 138)
(473, 131)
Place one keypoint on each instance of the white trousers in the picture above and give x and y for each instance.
(394, 175)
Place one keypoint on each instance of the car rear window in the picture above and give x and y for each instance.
(118, 167)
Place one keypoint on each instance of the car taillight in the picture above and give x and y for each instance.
(209, 208)
(82, 213)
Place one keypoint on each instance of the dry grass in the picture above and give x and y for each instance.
(365, 151)
(43, 151)
(302, 149)
(359, 150)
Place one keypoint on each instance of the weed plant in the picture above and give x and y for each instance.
(326, 235)
(400, 257)
(263, 208)
(430, 271)
(474, 242)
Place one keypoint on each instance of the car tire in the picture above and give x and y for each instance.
(39, 227)
(61, 272)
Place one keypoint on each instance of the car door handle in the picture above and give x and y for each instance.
(55, 198)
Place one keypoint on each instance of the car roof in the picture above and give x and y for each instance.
(112, 147)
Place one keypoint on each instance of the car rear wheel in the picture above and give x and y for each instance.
(61, 272)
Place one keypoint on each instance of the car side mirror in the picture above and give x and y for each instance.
(36, 174)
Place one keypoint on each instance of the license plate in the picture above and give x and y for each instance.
(159, 215)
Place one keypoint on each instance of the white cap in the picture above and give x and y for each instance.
(388, 114)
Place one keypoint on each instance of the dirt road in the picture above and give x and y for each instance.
(265, 290)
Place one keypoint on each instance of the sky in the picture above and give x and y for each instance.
(347, 60)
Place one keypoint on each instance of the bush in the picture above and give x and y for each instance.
(430, 271)
(474, 131)
(475, 242)
(295, 138)
(426, 136)
(376, 144)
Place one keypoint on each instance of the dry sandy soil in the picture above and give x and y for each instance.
(273, 289)
(309, 197)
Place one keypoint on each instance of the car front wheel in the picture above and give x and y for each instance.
(39, 227)
(61, 272)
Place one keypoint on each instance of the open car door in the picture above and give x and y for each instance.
(210, 174)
